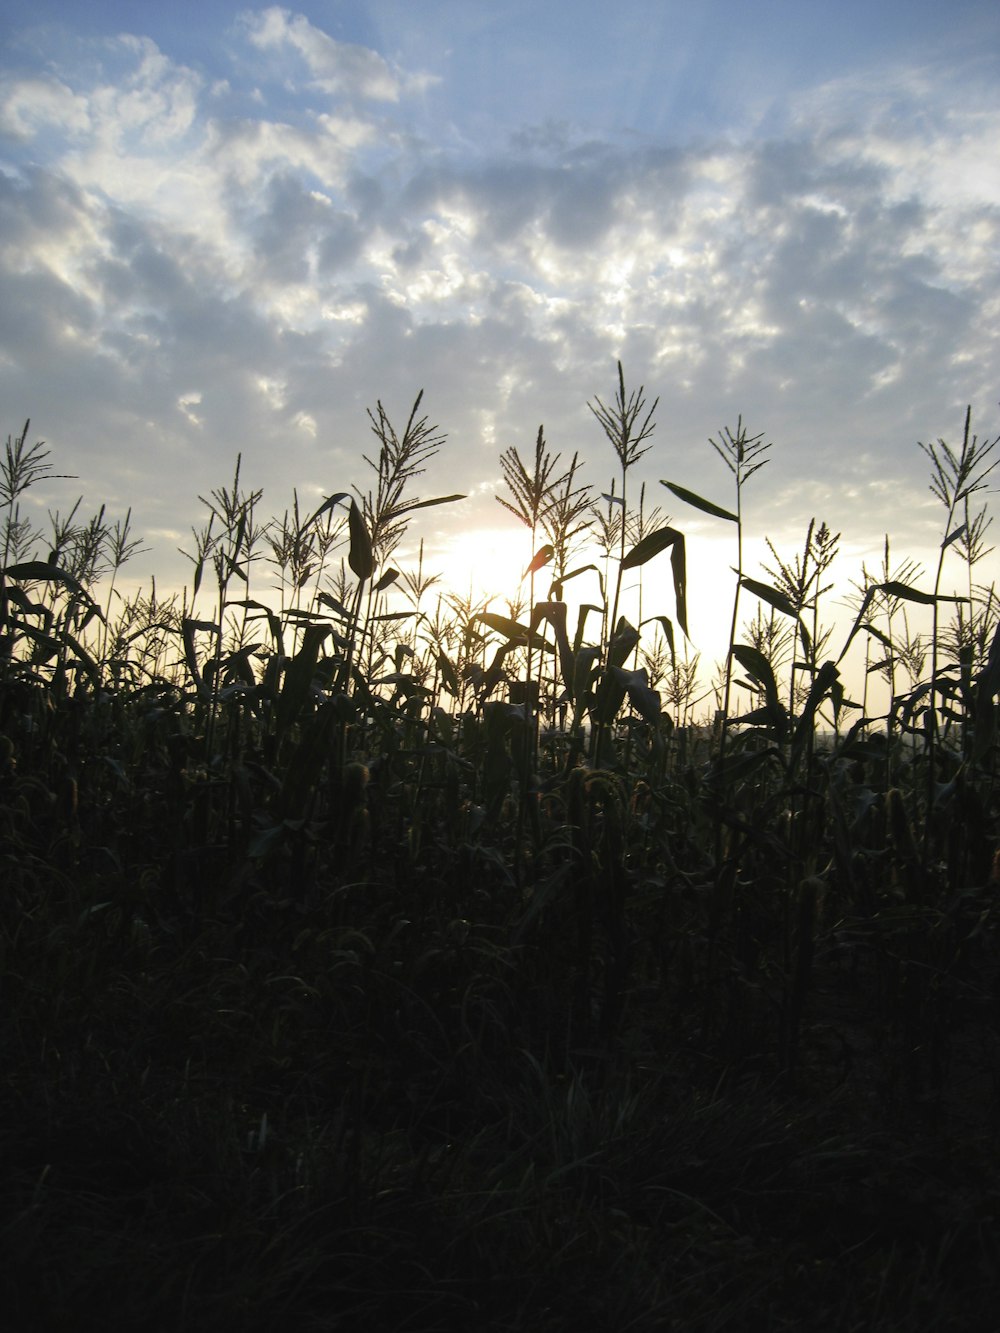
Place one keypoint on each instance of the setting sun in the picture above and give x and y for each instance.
(488, 563)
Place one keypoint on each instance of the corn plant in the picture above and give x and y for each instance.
(955, 478)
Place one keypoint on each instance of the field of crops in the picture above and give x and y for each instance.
(371, 959)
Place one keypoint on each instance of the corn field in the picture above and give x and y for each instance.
(372, 958)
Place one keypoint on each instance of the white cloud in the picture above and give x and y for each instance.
(31, 104)
(340, 69)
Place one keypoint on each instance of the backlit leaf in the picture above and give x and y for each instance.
(360, 557)
(706, 506)
(541, 557)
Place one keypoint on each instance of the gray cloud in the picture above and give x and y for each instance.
(255, 284)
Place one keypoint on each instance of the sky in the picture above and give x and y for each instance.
(232, 230)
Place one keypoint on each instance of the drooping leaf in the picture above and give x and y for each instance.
(759, 669)
(767, 716)
(449, 679)
(511, 629)
(52, 646)
(678, 567)
(988, 680)
(325, 599)
(876, 633)
(388, 578)
(325, 507)
(237, 664)
(908, 594)
(584, 661)
(517, 634)
(652, 544)
(824, 683)
(274, 624)
(623, 642)
(581, 623)
(299, 675)
(556, 591)
(188, 631)
(555, 614)
(541, 557)
(29, 608)
(706, 506)
(494, 674)
(584, 569)
(643, 698)
(360, 557)
(735, 767)
(40, 571)
(773, 596)
(667, 626)
(893, 588)
(781, 602)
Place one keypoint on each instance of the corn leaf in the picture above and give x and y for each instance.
(758, 668)
(299, 674)
(623, 642)
(541, 557)
(781, 602)
(667, 626)
(424, 504)
(893, 588)
(652, 544)
(40, 571)
(338, 608)
(773, 596)
(643, 698)
(360, 557)
(449, 679)
(325, 507)
(706, 506)
(188, 630)
(555, 614)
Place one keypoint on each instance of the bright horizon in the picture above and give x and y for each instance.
(229, 229)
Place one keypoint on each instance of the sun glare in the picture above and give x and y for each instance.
(488, 563)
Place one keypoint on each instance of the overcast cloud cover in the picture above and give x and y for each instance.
(231, 229)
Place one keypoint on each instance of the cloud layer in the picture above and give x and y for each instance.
(195, 263)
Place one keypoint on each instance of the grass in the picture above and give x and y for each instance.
(371, 965)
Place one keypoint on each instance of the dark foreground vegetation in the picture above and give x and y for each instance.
(371, 960)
